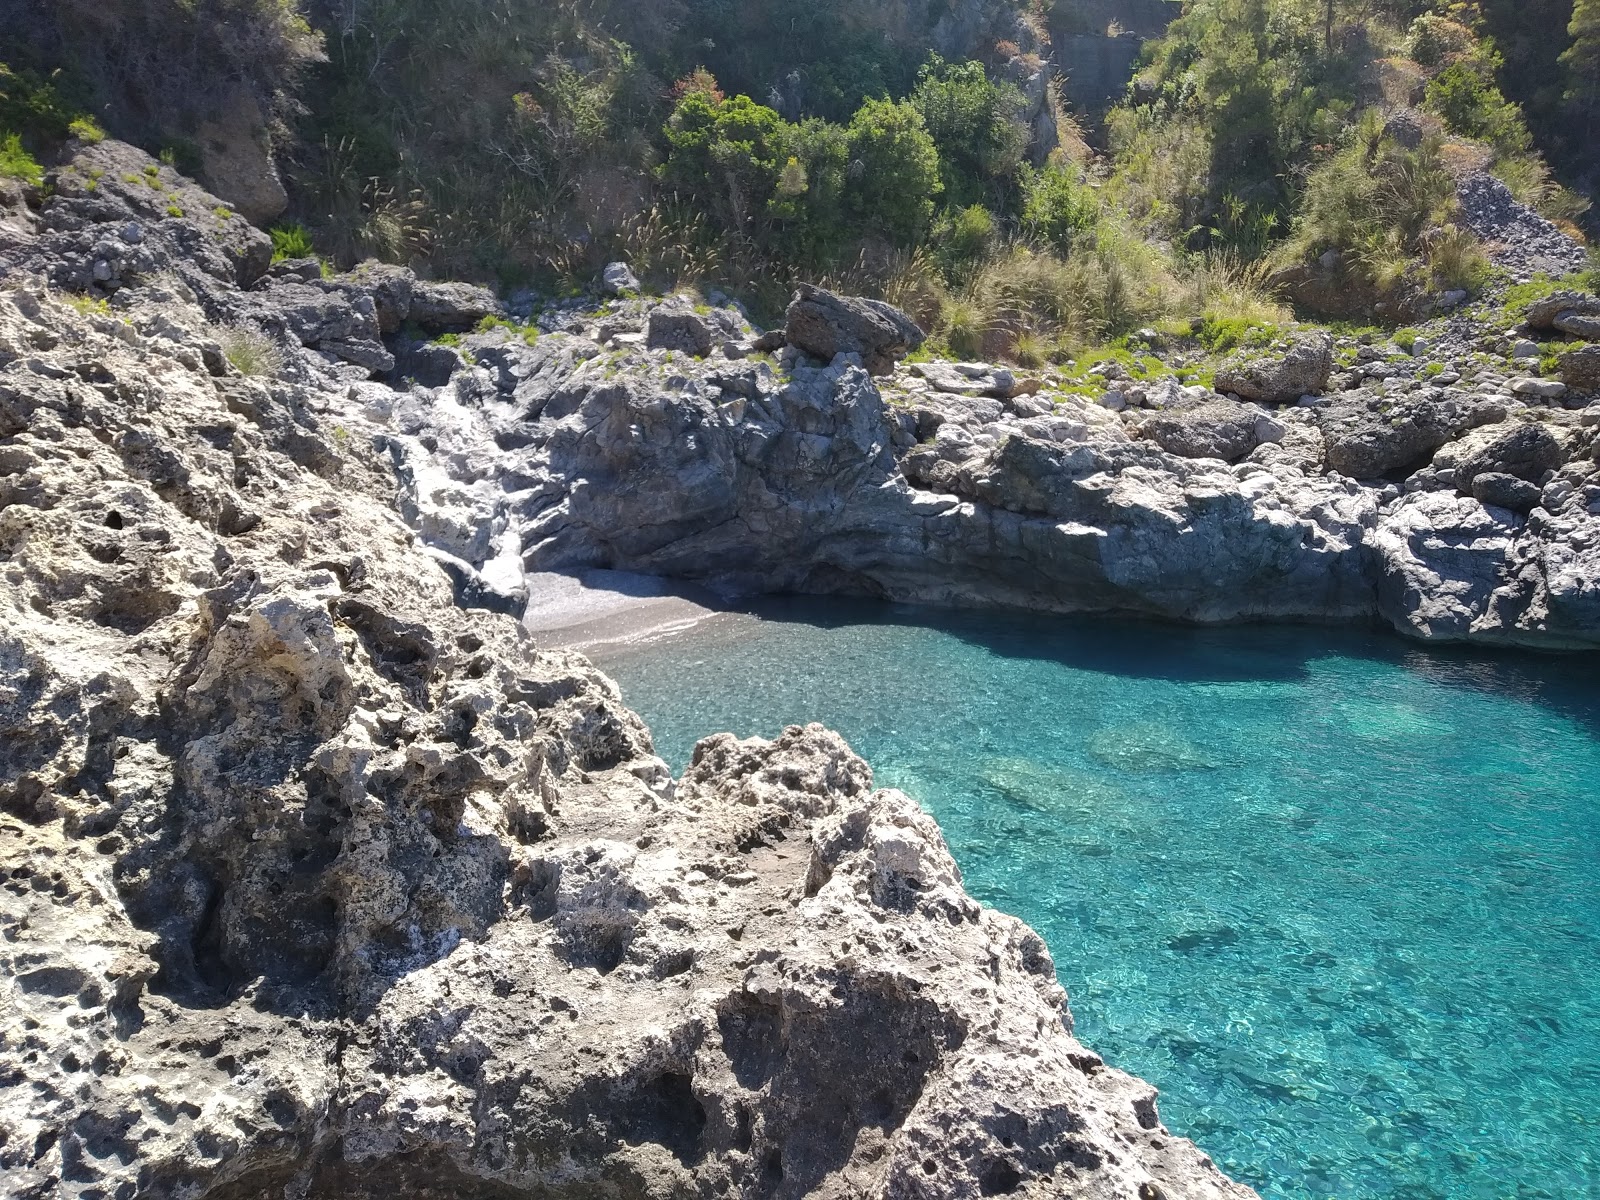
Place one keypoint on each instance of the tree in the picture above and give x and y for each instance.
(978, 127)
(1582, 63)
(728, 155)
(893, 176)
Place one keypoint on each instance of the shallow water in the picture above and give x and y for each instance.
(1334, 895)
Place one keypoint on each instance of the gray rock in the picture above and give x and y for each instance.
(1280, 378)
(1525, 450)
(1580, 368)
(447, 307)
(618, 279)
(1368, 438)
(1216, 429)
(1580, 325)
(679, 328)
(1505, 491)
(377, 898)
(1544, 312)
(824, 325)
(1544, 389)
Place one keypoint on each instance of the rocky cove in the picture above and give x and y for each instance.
(323, 878)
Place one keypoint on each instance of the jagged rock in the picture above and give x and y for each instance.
(1215, 429)
(236, 158)
(1367, 439)
(973, 379)
(1526, 450)
(1579, 325)
(1544, 312)
(1580, 368)
(409, 903)
(1301, 370)
(1506, 491)
(618, 279)
(678, 328)
(114, 217)
(824, 325)
(449, 307)
(391, 289)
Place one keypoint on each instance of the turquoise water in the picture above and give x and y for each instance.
(1334, 895)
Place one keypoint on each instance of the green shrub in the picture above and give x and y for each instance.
(1057, 206)
(978, 127)
(894, 172)
(86, 131)
(17, 163)
(291, 241)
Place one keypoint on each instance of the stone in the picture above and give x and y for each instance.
(236, 158)
(678, 328)
(1580, 368)
(450, 307)
(1544, 312)
(1524, 449)
(618, 279)
(1216, 429)
(1505, 491)
(1544, 389)
(825, 325)
(1367, 438)
(378, 876)
(1577, 324)
(1280, 378)
(1524, 348)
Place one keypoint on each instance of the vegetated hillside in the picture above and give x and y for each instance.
(1269, 151)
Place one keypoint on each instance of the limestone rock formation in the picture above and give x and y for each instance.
(825, 325)
(318, 885)
(1280, 377)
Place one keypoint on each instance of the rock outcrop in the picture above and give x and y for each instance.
(318, 885)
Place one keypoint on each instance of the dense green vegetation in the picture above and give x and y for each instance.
(747, 143)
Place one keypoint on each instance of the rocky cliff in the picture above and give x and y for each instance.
(316, 884)
(651, 438)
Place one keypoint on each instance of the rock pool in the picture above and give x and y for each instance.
(1334, 894)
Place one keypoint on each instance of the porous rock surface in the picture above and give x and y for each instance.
(316, 884)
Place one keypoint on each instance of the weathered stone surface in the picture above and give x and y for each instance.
(318, 885)
(824, 325)
(1580, 368)
(236, 159)
(1367, 439)
(1280, 378)
(1526, 450)
(678, 328)
(1216, 429)
(443, 307)
(114, 216)
(1505, 491)
(618, 279)
(1544, 312)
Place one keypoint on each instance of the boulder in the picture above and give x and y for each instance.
(1542, 389)
(1524, 450)
(1280, 378)
(679, 328)
(618, 279)
(1580, 368)
(1367, 439)
(391, 289)
(824, 325)
(1579, 325)
(974, 379)
(451, 307)
(1543, 312)
(236, 158)
(1505, 491)
(1216, 429)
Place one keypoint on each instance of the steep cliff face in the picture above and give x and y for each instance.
(315, 884)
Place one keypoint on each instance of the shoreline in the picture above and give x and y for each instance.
(599, 608)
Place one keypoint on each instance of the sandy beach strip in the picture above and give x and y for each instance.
(599, 608)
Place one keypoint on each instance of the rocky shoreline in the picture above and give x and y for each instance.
(318, 884)
(321, 883)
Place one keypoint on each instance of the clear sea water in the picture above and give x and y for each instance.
(1334, 894)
